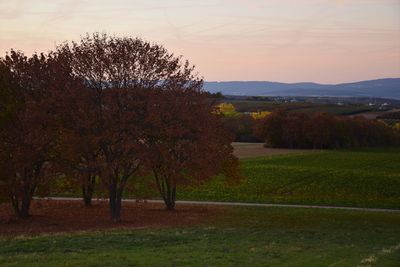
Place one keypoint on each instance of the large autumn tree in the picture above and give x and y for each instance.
(117, 74)
(8, 89)
(186, 141)
(28, 130)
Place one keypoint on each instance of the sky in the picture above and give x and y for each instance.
(326, 41)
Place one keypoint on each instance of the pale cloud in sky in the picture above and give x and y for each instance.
(305, 40)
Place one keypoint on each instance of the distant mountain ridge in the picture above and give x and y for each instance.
(379, 88)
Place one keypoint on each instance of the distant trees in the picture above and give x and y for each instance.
(227, 109)
(260, 114)
(323, 131)
(241, 127)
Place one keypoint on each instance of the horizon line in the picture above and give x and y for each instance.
(272, 81)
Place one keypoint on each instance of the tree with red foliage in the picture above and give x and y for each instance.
(117, 75)
(321, 131)
(271, 128)
(8, 89)
(29, 132)
(186, 141)
(78, 150)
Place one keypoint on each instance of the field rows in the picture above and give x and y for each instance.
(350, 178)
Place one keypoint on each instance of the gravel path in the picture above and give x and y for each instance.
(247, 204)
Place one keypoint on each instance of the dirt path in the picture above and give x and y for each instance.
(216, 203)
(248, 150)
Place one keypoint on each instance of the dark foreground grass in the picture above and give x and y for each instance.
(243, 237)
(361, 178)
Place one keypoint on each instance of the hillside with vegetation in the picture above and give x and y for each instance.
(380, 88)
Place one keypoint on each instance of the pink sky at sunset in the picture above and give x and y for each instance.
(327, 41)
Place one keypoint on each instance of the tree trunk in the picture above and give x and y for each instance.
(171, 196)
(115, 195)
(22, 202)
(22, 191)
(25, 205)
(88, 186)
(167, 190)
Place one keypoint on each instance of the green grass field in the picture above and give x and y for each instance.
(241, 237)
(361, 178)
(255, 236)
(336, 110)
(248, 105)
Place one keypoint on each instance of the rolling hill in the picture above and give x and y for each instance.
(380, 88)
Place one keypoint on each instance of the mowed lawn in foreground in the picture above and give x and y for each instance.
(240, 237)
(360, 178)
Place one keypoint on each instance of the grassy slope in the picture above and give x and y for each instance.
(251, 236)
(243, 106)
(360, 178)
(365, 178)
(336, 110)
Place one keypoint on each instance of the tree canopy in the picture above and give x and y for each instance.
(110, 109)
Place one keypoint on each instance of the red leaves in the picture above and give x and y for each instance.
(112, 108)
(29, 134)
